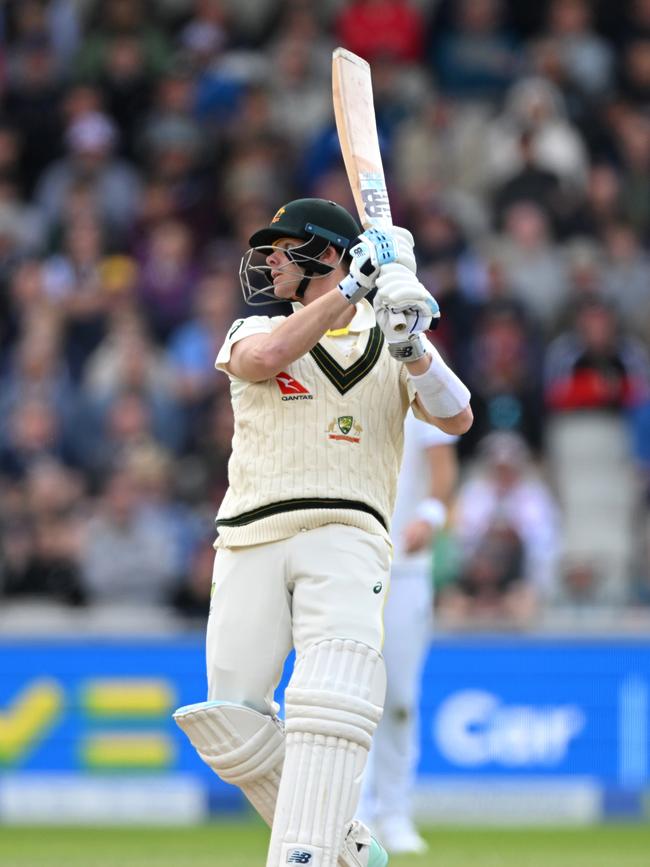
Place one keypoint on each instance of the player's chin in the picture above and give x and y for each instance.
(284, 290)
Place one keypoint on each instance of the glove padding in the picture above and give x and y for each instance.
(372, 250)
(369, 252)
(404, 243)
(401, 300)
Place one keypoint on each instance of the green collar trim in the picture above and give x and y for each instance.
(343, 379)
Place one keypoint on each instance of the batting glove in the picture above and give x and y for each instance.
(404, 309)
(403, 241)
(369, 252)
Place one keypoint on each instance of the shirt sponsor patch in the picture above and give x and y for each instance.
(291, 389)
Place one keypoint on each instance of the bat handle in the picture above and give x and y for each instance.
(397, 321)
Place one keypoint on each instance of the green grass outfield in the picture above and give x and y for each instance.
(244, 844)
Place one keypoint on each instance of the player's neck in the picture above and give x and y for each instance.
(318, 288)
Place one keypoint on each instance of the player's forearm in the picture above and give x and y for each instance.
(295, 337)
(457, 425)
(441, 395)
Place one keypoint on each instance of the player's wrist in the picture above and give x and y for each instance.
(352, 290)
(407, 351)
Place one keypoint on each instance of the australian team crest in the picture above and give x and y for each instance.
(345, 424)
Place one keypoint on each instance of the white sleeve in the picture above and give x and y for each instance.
(240, 329)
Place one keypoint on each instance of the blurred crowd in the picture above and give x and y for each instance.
(142, 142)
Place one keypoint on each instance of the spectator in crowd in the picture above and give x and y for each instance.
(531, 183)
(583, 259)
(631, 130)
(475, 56)
(533, 269)
(32, 102)
(596, 365)
(505, 372)
(125, 83)
(73, 282)
(634, 77)
(211, 445)
(296, 88)
(507, 526)
(174, 147)
(153, 472)
(535, 106)
(126, 422)
(126, 558)
(57, 23)
(113, 20)
(168, 278)
(376, 28)
(32, 431)
(439, 147)
(10, 152)
(55, 497)
(40, 536)
(601, 204)
(192, 348)
(37, 370)
(113, 184)
(24, 302)
(626, 276)
(595, 374)
(302, 21)
(587, 57)
(127, 358)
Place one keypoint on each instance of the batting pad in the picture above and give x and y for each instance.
(242, 746)
(333, 704)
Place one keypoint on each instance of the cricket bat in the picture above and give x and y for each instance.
(354, 112)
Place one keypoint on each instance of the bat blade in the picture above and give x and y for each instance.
(357, 130)
(354, 111)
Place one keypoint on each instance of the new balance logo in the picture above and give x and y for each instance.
(296, 856)
(291, 389)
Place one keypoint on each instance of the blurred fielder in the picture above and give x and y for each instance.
(303, 552)
(426, 483)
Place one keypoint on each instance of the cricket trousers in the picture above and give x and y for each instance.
(329, 582)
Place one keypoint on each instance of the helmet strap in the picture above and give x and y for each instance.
(314, 267)
(304, 283)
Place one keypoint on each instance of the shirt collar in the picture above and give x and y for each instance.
(363, 319)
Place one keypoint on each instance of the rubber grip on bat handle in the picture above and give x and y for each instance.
(397, 321)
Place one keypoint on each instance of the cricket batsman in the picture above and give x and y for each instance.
(303, 548)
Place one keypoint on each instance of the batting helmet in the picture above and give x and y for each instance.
(318, 222)
(308, 219)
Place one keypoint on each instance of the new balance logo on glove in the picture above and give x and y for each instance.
(297, 856)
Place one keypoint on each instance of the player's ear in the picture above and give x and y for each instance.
(330, 256)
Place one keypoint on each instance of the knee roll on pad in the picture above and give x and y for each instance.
(337, 689)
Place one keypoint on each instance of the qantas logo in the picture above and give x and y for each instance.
(291, 389)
